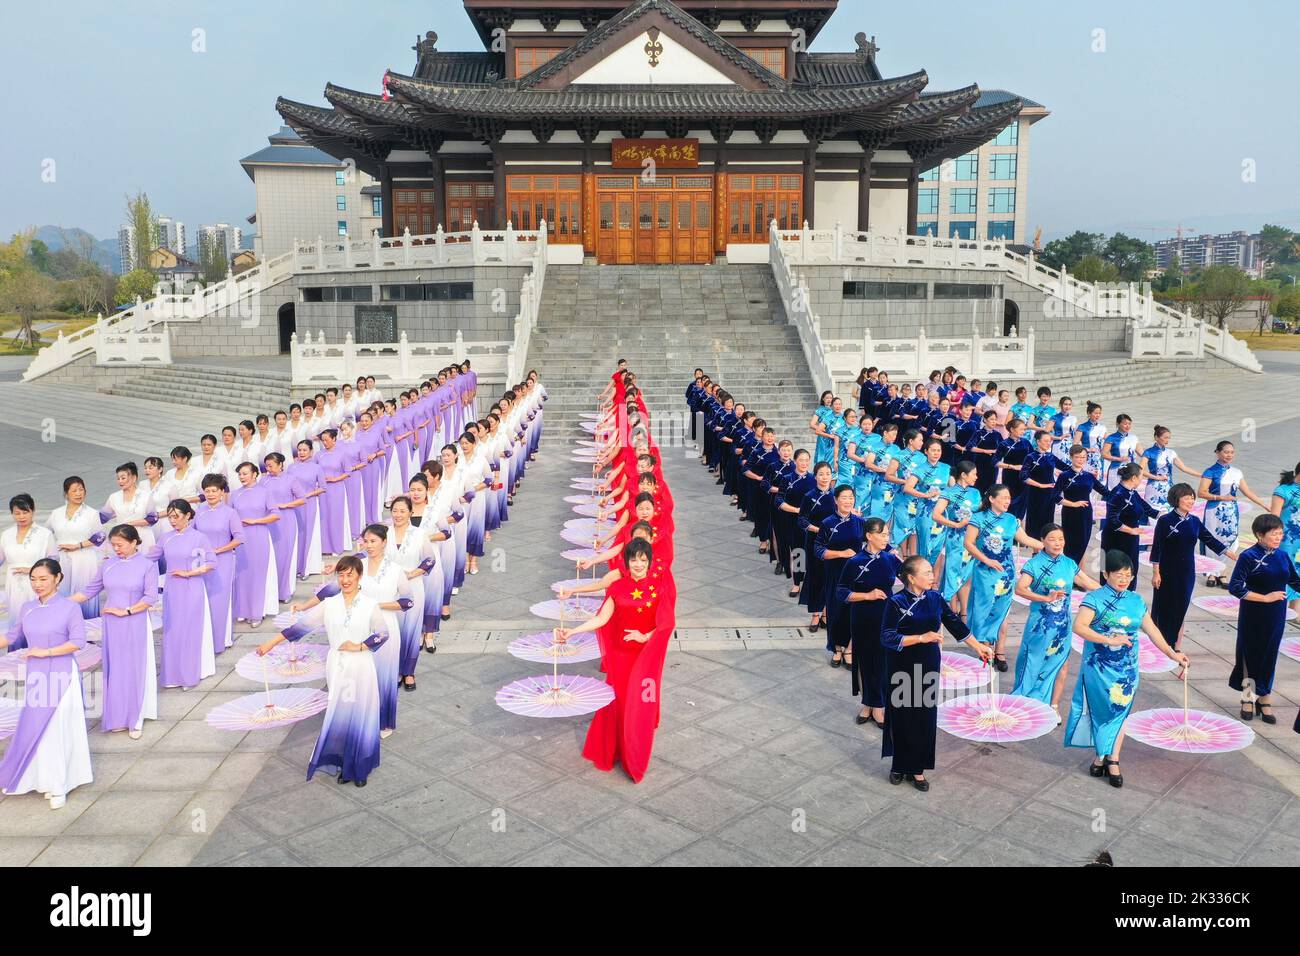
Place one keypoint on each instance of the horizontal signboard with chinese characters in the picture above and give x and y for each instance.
(668, 153)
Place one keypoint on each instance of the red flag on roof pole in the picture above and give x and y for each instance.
(386, 96)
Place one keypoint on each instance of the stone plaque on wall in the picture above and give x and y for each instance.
(375, 323)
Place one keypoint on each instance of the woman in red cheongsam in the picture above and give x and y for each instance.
(634, 624)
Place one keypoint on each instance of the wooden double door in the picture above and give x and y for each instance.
(667, 220)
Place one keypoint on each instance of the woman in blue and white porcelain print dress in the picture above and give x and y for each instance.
(1221, 484)
(1158, 462)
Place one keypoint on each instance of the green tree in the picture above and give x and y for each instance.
(137, 282)
(1132, 257)
(27, 293)
(1277, 244)
(1221, 291)
(1287, 307)
(39, 254)
(139, 215)
(1072, 249)
(1171, 280)
(212, 266)
(1095, 269)
(1286, 274)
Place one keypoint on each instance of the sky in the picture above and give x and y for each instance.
(1164, 112)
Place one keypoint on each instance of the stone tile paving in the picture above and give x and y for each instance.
(757, 760)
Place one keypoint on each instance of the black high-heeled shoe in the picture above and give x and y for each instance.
(359, 783)
(1268, 718)
(1116, 780)
(861, 719)
(814, 627)
(837, 661)
(342, 779)
(1247, 714)
(1000, 662)
(1097, 769)
(896, 778)
(919, 783)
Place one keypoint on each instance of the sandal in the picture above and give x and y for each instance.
(837, 658)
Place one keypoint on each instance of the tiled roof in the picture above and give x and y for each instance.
(998, 97)
(834, 69)
(670, 101)
(458, 67)
(287, 149)
(371, 107)
(333, 122)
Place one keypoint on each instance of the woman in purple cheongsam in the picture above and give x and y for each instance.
(256, 578)
(222, 527)
(335, 522)
(286, 495)
(49, 751)
(129, 584)
(356, 463)
(193, 587)
(311, 480)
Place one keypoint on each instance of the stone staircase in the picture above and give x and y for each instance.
(247, 390)
(666, 320)
(1116, 378)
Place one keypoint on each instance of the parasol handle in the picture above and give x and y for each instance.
(1185, 675)
(993, 685)
(555, 653)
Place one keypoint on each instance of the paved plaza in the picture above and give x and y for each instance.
(757, 759)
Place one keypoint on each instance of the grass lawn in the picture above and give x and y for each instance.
(65, 324)
(1272, 341)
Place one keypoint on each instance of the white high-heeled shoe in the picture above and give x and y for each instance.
(57, 802)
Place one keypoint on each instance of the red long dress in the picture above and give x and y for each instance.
(624, 730)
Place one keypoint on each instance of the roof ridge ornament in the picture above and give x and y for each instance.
(867, 49)
(426, 46)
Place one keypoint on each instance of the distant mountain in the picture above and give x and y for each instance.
(105, 250)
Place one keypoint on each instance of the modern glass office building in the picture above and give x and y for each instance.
(983, 194)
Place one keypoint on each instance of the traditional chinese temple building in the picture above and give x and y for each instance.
(652, 131)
